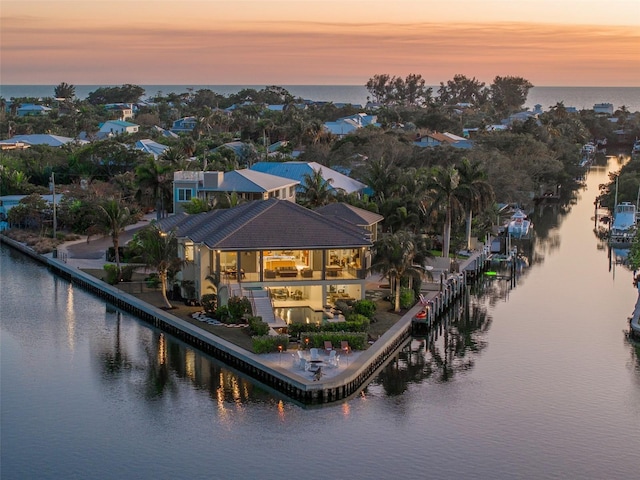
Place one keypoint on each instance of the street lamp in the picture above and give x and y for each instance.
(53, 190)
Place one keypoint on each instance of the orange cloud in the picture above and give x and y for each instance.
(289, 53)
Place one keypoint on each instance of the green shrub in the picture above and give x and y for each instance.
(407, 298)
(357, 341)
(361, 324)
(209, 302)
(153, 281)
(268, 343)
(238, 306)
(222, 314)
(112, 274)
(365, 307)
(257, 327)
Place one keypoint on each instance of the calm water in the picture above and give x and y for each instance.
(578, 97)
(537, 382)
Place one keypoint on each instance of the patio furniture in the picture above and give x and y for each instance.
(333, 359)
(315, 355)
(344, 346)
(328, 346)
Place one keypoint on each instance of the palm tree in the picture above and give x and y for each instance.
(444, 193)
(475, 192)
(154, 178)
(316, 191)
(396, 255)
(160, 252)
(64, 90)
(113, 216)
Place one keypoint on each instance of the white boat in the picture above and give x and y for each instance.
(519, 225)
(635, 150)
(623, 228)
(588, 154)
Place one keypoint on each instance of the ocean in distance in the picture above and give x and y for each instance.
(578, 97)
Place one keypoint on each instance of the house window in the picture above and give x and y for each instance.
(184, 194)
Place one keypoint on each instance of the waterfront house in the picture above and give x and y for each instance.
(299, 257)
(246, 184)
(345, 125)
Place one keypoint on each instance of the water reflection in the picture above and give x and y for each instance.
(450, 349)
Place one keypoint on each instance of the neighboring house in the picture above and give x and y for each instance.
(297, 170)
(116, 127)
(124, 111)
(435, 139)
(247, 184)
(303, 259)
(357, 216)
(346, 125)
(606, 108)
(165, 133)
(18, 141)
(150, 146)
(519, 117)
(30, 109)
(244, 151)
(184, 125)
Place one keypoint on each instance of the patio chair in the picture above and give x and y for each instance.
(303, 364)
(344, 346)
(333, 359)
(315, 355)
(328, 346)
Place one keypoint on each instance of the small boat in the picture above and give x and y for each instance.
(519, 225)
(623, 228)
(588, 154)
(635, 150)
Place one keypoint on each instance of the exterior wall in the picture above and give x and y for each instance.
(185, 185)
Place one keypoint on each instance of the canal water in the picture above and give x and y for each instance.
(536, 381)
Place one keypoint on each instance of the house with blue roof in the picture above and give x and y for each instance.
(20, 141)
(30, 109)
(116, 127)
(296, 170)
(247, 184)
(151, 147)
(346, 125)
(184, 125)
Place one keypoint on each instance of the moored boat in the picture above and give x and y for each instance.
(519, 225)
(623, 228)
(635, 150)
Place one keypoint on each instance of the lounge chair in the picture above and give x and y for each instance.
(328, 346)
(344, 346)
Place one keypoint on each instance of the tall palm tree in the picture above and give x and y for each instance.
(396, 256)
(445, 194)
(475, 192)
(113, 216)
(154, 178)
(160, 252)
(315, 190)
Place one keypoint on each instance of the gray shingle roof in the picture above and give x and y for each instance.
(351, 214)
(267, 224)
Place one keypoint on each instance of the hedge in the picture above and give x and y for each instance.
(269, 343)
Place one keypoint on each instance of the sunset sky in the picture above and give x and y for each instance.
(295, 42)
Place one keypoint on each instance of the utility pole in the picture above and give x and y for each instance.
(53, 190)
